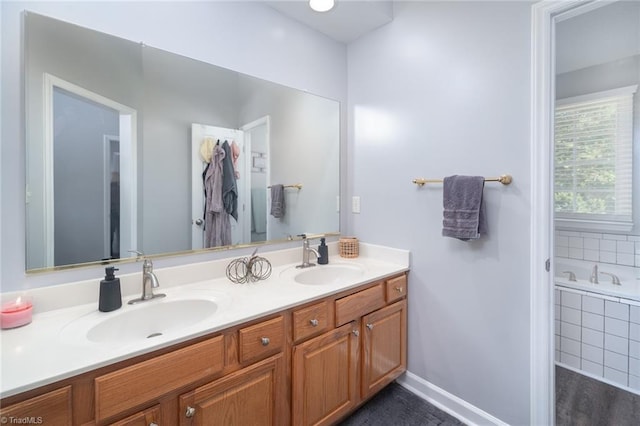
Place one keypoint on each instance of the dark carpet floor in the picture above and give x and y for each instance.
(580, 401)
(396, 406)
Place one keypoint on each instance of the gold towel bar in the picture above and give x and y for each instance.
(504, 179)
(297, 186)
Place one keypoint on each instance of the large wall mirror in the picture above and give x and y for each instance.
(127, 143)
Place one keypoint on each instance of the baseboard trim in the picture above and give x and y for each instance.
(457, 407)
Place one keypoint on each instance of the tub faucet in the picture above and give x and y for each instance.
(306, 250)
(594, 275)
(572, 276)
(614, 278)
(149, 282)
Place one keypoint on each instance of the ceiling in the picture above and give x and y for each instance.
(347, 21)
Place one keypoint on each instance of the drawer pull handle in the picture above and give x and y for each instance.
(265, 341)
(399, 289)
(356, 333)
(314, 322)
(370, 326)
(190, 412)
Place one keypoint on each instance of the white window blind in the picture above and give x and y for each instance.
(593, 157)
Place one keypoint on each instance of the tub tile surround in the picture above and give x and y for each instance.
(41, 343)
(598, 336)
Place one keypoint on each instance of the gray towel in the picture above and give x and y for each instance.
(229, 186)
(277, 201)
(463, 216)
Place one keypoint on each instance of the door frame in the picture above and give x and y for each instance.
(128, 144)
(542, 345)
(247, 128)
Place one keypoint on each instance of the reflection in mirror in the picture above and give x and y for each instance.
(138, 183)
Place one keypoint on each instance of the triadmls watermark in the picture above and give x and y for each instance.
(26, 420)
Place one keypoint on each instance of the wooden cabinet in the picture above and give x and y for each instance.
(384, 347)
(260, 340)
(324, 376)
(141, 383)
(310, 321)
(335, 372)
(250, 396)
(52, 408)
(311, 364)
(150, 417)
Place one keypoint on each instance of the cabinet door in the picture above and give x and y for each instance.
(251, 396)
(384, 347)
(149, 417)
(325, 374)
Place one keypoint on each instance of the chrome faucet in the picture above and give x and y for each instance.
(149, 282)
(572, 276)
(306, 250)
(594, 275)
(614, 278)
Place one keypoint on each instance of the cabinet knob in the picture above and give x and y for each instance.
(356, 333)
(399, 289)
(190, 412)
(265, 341)
(314, 322)
(370, 326)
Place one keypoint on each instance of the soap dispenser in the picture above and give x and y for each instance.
(110, 296)
(323, 251)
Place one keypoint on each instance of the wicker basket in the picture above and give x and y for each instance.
(349, 247)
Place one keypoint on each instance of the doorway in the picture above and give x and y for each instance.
(89, 181)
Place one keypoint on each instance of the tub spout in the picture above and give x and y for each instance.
(614, 278)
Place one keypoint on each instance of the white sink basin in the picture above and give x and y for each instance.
(328, 274)
(147, 320)
(152, 320)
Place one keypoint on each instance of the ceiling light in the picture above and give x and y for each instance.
(321, 5)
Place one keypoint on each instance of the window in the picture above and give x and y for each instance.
(593, 160)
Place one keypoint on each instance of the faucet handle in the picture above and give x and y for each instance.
(147, 264)
(138, 253)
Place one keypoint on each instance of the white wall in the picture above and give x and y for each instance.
(443, 90)
(244, 36)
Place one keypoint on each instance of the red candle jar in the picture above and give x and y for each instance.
(16, 313)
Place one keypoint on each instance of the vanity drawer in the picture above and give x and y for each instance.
(310, 321)
(53, 408)
(260, 340)
(358, 304)
(396, 288)
(148, 380)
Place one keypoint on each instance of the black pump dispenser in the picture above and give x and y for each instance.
(110, 296)
(323, 251)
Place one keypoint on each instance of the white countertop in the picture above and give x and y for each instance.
(46, 350)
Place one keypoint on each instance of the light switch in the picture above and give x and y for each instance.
(355, 204)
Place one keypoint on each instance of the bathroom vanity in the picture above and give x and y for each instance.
(310, 355)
